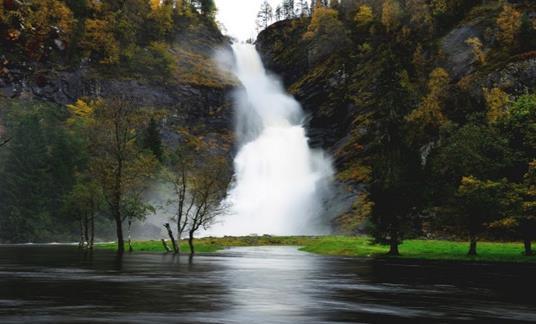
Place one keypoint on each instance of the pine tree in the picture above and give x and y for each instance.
(278, 14)
(304, 8)
(152, 140)
(288, 9)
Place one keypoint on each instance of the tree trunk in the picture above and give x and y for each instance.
(166, 247)
(81, 243)
(171, 237)
(191, 242)
(179, 237)
(393, 245)
(86, 230)
(130, 249)
(119, 232)
(92, 238)
(528, 247)
(472, 245)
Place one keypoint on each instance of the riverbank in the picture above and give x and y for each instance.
(355, 246)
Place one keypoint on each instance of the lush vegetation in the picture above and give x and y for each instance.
(127, 39)
(355, 246)
(444, 148)
(435, 148)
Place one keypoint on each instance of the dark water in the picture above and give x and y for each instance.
(58, 284)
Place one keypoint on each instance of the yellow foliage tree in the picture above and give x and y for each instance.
(428, 116)
(391, 12)
(99, 39)
(439, 7)
(364, 16)
(325, 24)
(476, 46)
(509, 23)
(497, 102)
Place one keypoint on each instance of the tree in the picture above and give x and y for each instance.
(429, 117)
(528, 220)
(497, 102)
(391, 15)
(325, 32)
(334, 4)
(99, 40)
(304, 8)
(41, 155)
(518, 126)
(152, 140)
(364, 16)
(121, 168)
(479, 203)
(84, 201)
(179, 174)
(395, 185)
(209, 188)
(278, 13)
(288, 9)
(527, 33)
(265, 16)
(509, 24)
(199, 181)
(421, 16)
(476, 47)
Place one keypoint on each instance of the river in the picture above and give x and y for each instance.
(58, 284)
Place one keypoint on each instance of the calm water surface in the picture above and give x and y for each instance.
(58, 284)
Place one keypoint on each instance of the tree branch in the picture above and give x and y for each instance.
(4, 142)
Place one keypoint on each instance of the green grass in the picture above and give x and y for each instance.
(355, 246)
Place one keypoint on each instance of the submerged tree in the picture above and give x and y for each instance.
(85, 201)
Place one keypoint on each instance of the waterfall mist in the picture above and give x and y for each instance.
(280, 183)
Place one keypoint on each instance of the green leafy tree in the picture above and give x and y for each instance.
(152, 140)
(40, 156)
(479, 203)
(364, 16)
(120, 166)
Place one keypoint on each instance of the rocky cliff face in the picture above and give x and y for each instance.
(339, 91)
(197, 100)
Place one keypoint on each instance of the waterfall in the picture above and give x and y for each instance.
(280, 182)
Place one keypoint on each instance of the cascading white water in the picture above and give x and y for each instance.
(280, 183)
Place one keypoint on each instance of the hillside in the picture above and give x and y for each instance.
(438, 68)
(156, 56)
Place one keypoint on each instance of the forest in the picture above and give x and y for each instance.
(434, 139)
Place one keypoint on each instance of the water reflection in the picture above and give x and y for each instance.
(243, 285)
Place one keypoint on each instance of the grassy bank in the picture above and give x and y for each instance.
(358, 246)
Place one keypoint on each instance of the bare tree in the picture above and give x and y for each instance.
(199, 178)
(209, 190)
(265, 16)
